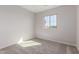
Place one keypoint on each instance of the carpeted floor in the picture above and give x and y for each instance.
(39, 46)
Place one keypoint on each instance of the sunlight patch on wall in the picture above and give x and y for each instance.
(28, 43)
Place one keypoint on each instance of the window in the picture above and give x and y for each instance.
(50, 21)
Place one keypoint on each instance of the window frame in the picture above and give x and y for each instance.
(50, 21)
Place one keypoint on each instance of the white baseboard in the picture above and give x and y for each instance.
(59, 42)
(8, 45)
(40, 38)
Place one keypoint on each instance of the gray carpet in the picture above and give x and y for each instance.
(39, 46)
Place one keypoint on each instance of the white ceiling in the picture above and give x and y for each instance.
(38, 8)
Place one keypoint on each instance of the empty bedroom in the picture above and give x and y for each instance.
(39, 29)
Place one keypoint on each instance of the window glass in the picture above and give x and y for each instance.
(50, 21)
(47, 20)
(53, 20)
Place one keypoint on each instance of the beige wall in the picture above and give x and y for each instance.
(66, 25)
(15, 23)
(78, 28)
